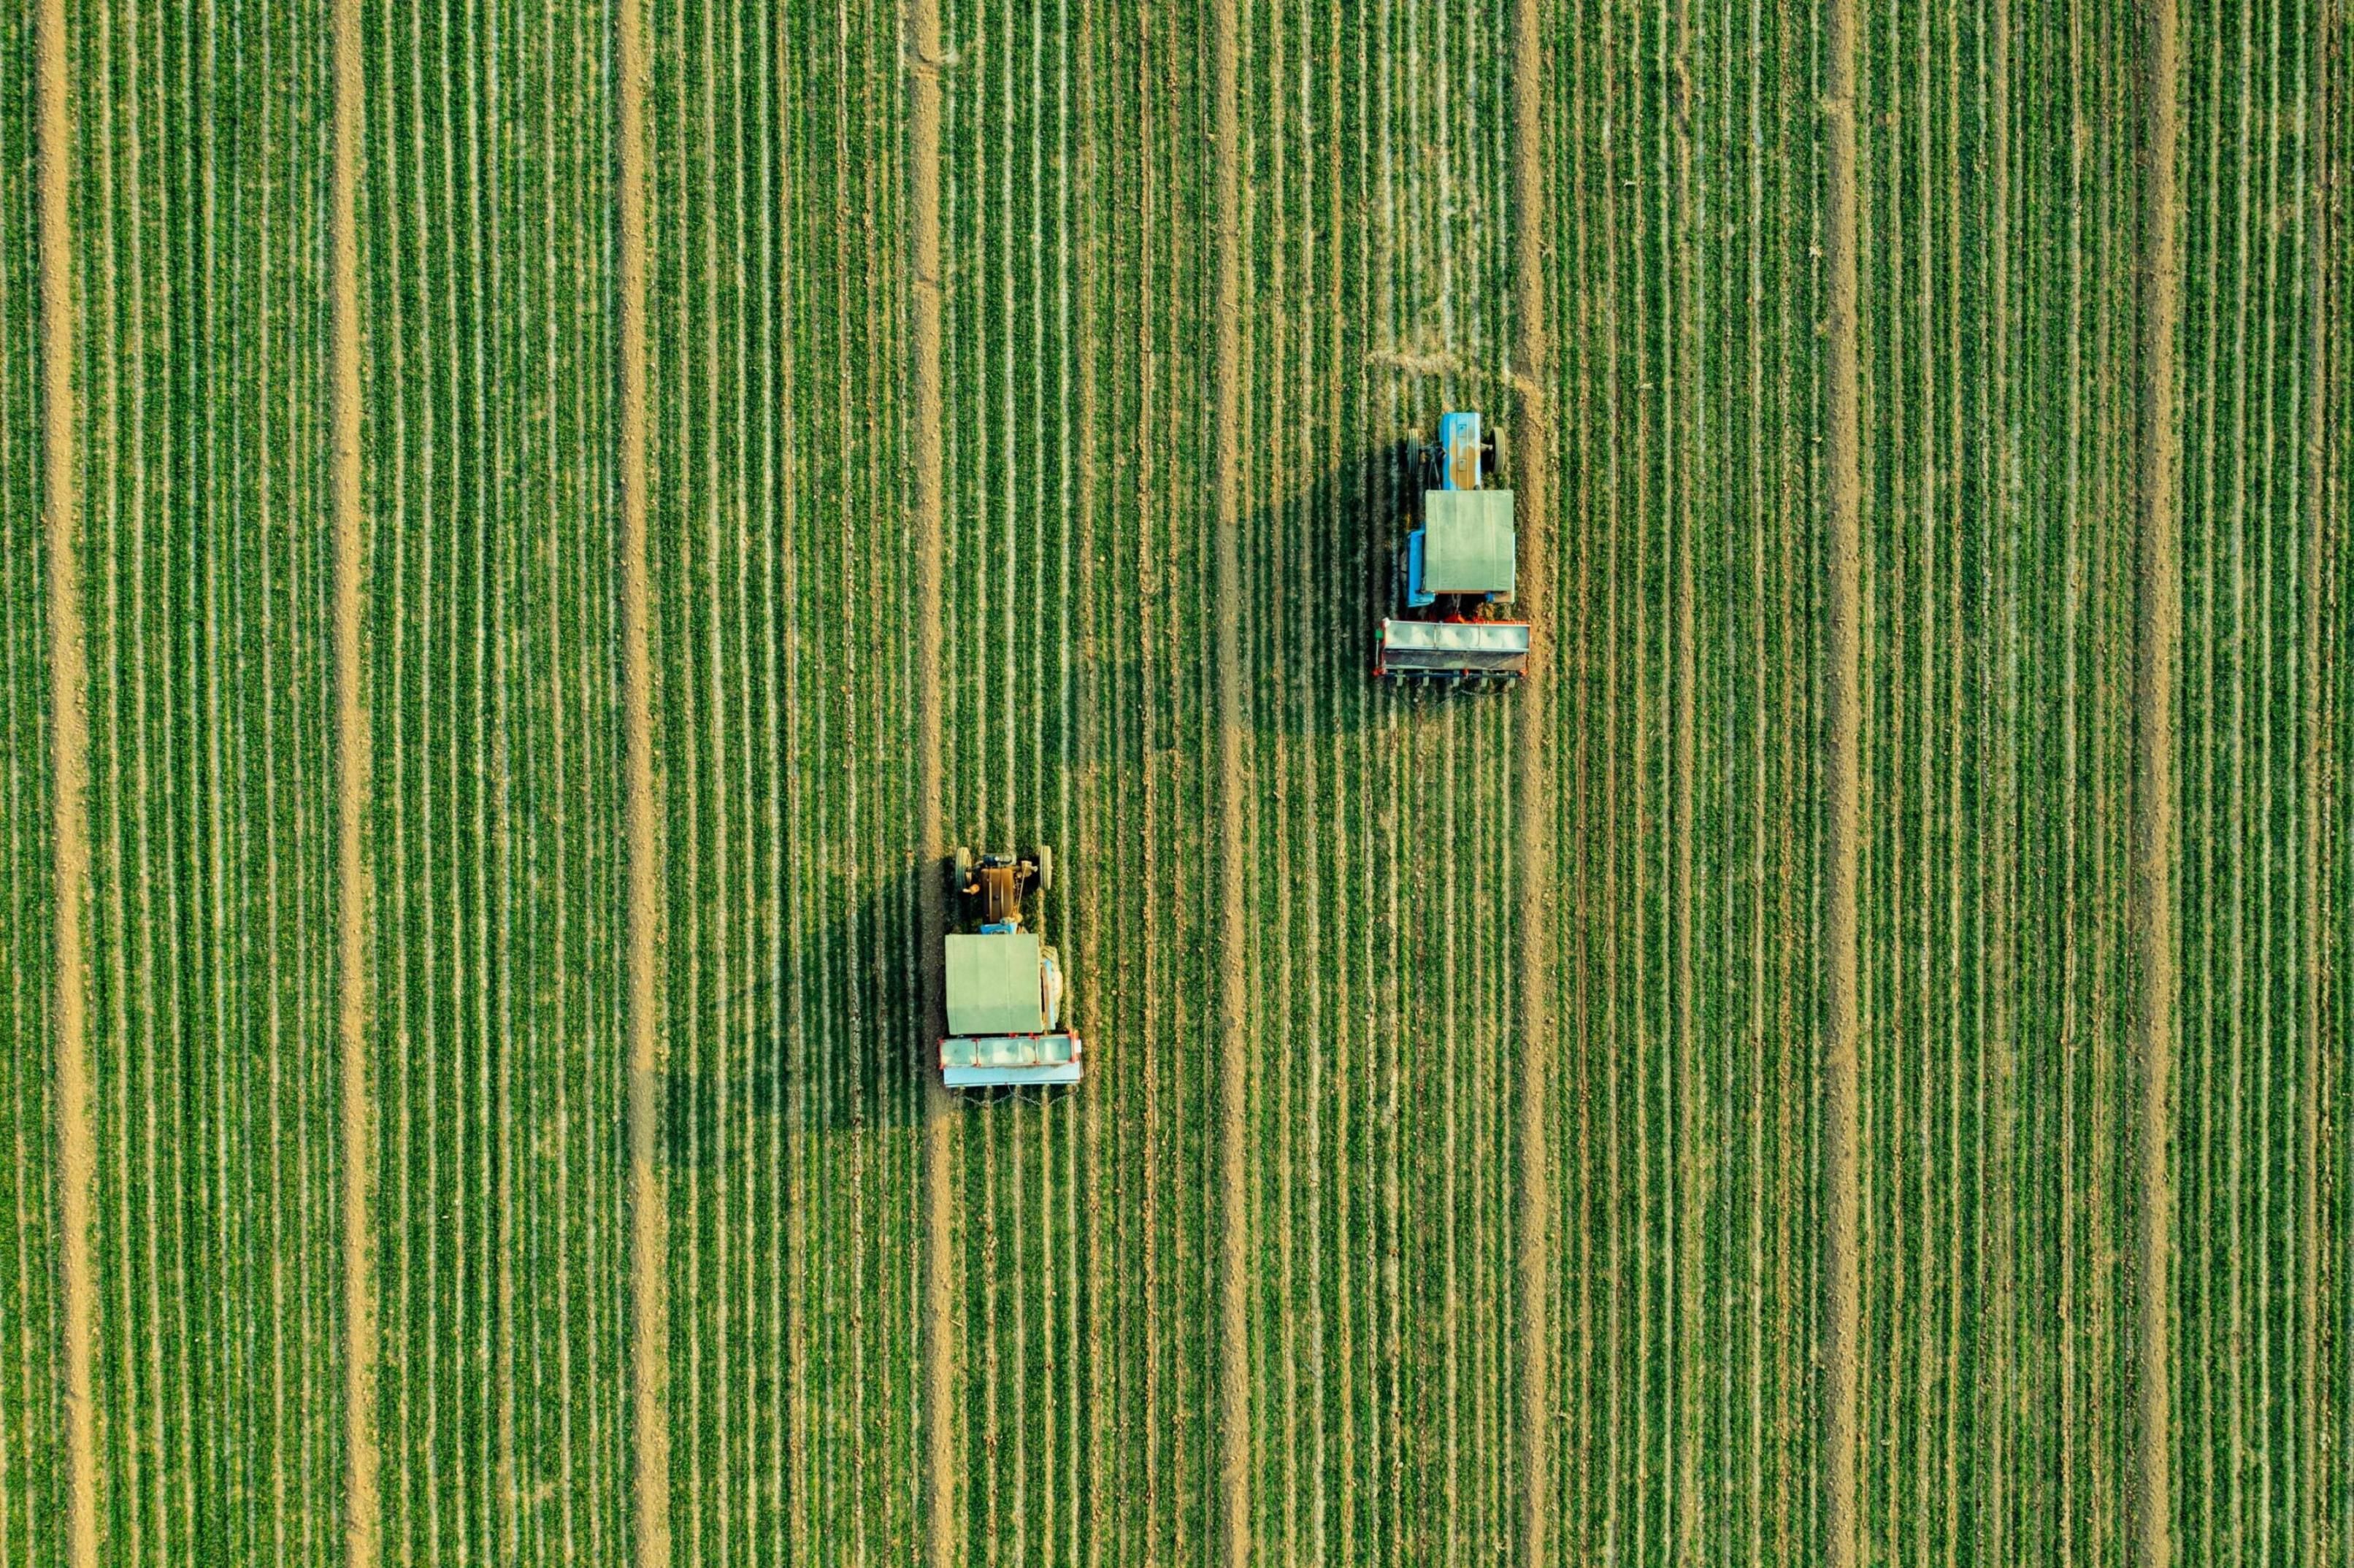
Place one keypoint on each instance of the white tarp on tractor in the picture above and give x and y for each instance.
(1468, 542)
(993, 984)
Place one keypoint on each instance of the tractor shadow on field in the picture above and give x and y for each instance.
(826, 1035)
(1322, 567)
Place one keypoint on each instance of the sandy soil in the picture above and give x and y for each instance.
(1532, 789)
(69, 697)
(649, 1212)
(362, 1509)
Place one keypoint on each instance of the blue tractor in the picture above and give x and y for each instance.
(1456, 565)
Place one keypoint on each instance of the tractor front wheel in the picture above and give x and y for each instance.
(963, 866)
(1046, 862)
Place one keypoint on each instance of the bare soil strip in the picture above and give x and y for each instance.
(1532, 800)
(649, 1212)
(362, 1525)
(2316, 556)
(923, 41)
(1234, 774)
(69, 719)
(1843, 791)
(2159, 612)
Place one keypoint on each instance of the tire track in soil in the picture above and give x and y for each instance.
(1842, 785)
(70, 759)
(362, 1508)
(1234, 783)
(923, 43)
(2159, 597)
(1533, 784)
(648, 1206)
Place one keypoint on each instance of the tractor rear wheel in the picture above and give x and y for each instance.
(963, 866)
(1491, 454)
(1046, 862)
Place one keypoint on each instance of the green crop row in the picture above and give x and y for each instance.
(494, 836)
(2000, 1105)
(2257, 1416)
(785, 746)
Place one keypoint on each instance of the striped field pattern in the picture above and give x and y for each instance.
(1688, 182)
(1576, 943)
(200, 255)
(2000, 1080)
(494, 841)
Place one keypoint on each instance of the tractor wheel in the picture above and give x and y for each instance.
(963, 868)
(1046, 862)
(1491, 454)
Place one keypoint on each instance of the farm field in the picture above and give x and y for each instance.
(567, 512)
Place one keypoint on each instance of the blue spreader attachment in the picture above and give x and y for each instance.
(1416, 597)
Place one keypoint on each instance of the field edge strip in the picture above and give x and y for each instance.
(1233, 774)
(1843, 791)
(2159, 613)
(649, 1216)
(362, 1504)
(922, 41)
(70, 759)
